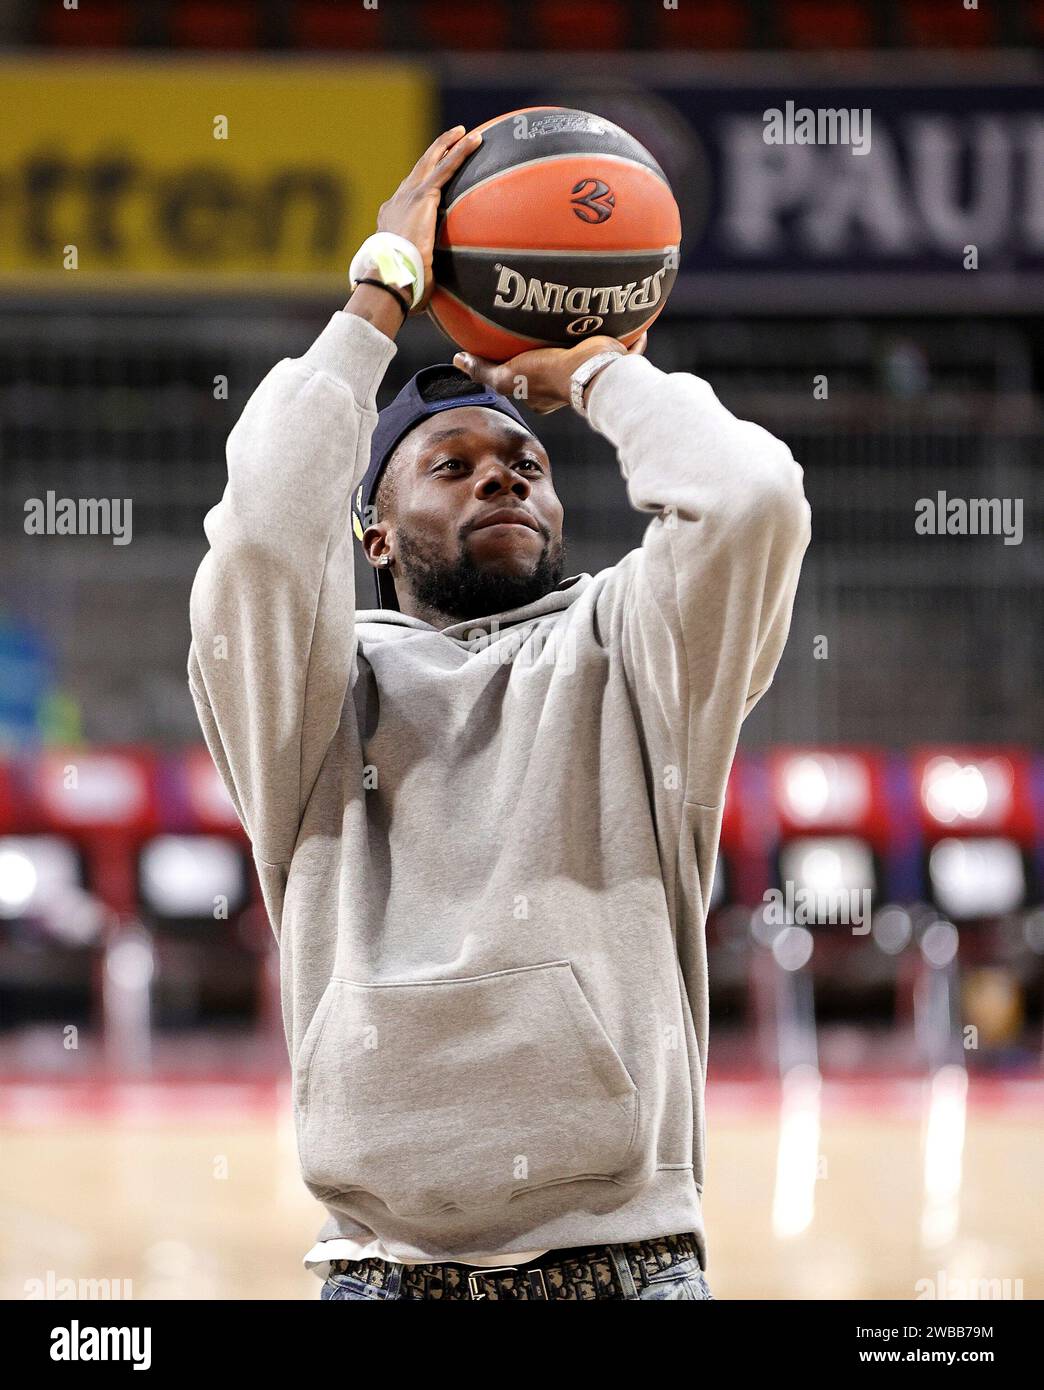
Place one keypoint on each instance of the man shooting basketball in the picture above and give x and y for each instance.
(485, 815)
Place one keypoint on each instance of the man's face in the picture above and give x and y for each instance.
(474, 525)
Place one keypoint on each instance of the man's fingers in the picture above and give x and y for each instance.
(639, 345)
(491, 374)
(441, 144)
(436, 150)
(454, 158)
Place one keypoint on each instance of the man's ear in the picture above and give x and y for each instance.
(377, 544)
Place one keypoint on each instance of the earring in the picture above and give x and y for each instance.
(385, 560)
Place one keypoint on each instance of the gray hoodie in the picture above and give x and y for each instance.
(486, 851)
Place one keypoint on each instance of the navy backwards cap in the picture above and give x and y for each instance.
(394, 422)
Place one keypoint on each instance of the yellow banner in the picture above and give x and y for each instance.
(197, 175)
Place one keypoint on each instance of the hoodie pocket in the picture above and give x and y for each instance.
(443, 1095)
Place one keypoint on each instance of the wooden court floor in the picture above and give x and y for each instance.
(195, 1194)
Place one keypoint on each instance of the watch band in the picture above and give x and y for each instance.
(583, 375)
(391, 259)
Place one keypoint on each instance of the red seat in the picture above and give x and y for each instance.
(219, 24)
(476, 25)
(715, 24)
(580, 24)
(101, 24)
(944, 24)
(826, 24)
(320, 24)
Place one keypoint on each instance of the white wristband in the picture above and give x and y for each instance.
(397, 262)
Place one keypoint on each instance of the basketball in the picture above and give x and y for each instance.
(559, 227)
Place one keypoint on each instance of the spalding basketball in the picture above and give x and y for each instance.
(559, 227)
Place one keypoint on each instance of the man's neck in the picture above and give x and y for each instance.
(434, 616)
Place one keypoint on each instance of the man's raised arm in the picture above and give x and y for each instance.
(702, 609)
(273, 603)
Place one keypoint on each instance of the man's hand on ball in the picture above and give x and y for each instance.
(540, 377)
(412, 209)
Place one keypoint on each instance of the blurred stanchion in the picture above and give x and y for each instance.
(790, 950)
(945, 1121)
(128, 966)
(797, 1159)
(938, 1032)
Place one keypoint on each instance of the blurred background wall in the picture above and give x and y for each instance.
(203, 258)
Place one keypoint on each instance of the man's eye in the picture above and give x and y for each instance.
(532, 463)
(447, 463)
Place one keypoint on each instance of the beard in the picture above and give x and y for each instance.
(461, 589)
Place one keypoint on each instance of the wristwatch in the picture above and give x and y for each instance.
(583, 375)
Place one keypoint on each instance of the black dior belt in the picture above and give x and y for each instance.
(580, 1273)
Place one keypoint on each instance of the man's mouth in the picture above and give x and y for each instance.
(506, 516)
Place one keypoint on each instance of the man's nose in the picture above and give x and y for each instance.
(498, 477)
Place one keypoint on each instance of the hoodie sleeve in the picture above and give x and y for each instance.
(701, 610)
(273, 603)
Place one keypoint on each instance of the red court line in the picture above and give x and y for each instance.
(32, 1104)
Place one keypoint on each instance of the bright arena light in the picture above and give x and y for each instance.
(84, 788)
(17, 882)
(33, 869)
(828, 865)
(952, 792)
(185, 875)
(831, 872)
(977, 878)
(821, 787)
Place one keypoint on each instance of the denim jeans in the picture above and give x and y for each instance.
(683, 1280)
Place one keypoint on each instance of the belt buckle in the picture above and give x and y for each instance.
(476, 1274)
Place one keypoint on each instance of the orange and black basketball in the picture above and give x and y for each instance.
(560, 226)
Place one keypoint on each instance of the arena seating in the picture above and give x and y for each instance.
(826, 24)
(110, 855)
(419, 26)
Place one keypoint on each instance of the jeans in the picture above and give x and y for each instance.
(683, 1280)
